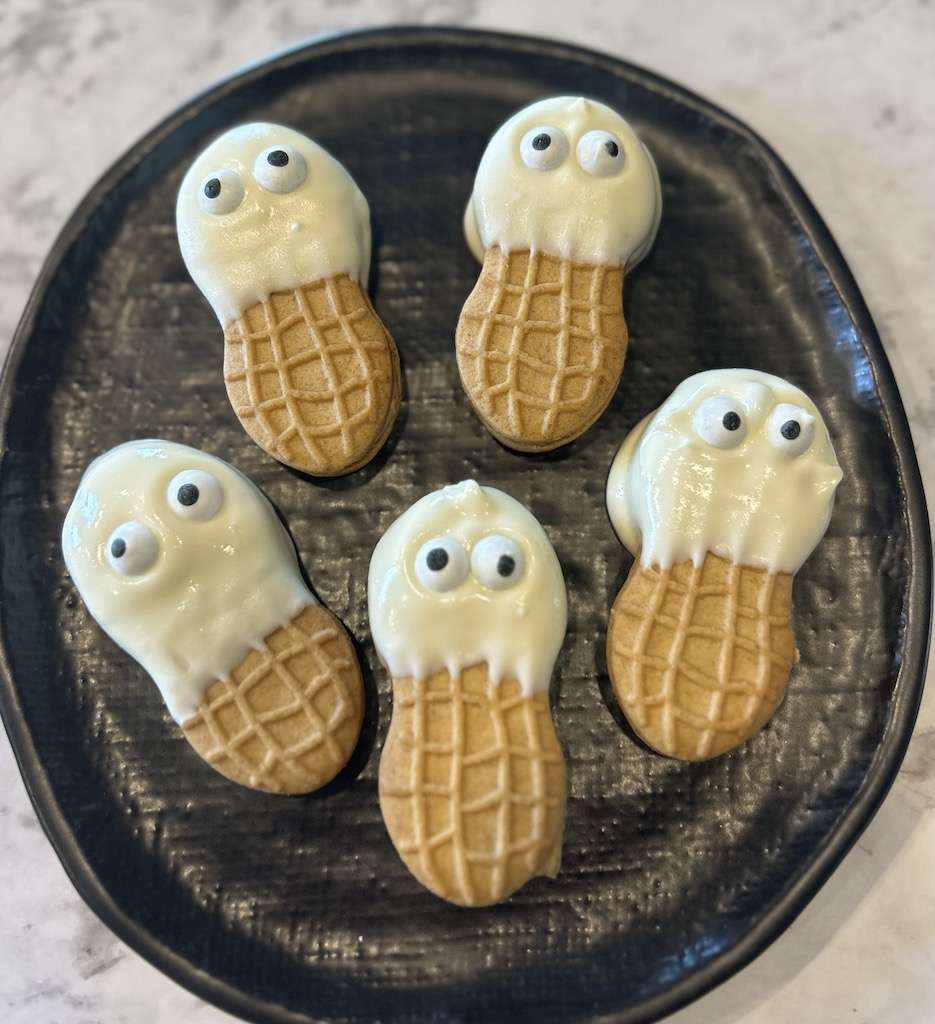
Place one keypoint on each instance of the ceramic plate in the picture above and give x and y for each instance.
(674, 875)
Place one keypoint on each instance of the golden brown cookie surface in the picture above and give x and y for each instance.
(699, 658)
(541, 344)
(288, 719)
(472, 785)
(313, 375)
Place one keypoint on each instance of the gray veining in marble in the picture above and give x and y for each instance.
(845, 91)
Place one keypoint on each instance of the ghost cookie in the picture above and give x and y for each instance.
(467, 612)
(184, 564)
(566, 201)
(721, 494)
(276, 234)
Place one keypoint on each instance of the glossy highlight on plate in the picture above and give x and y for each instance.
(328, 874)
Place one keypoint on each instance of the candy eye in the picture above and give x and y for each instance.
(132, 549)
(601, 153)
(194, 494)
(721, 422)
(544, 148)
(221, 192)
(497, 562)
(790, 429)
(441, 564)
(280, 168)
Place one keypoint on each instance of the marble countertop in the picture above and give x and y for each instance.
(845, 91)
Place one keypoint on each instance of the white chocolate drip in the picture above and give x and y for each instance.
(518, 631)
(272, 241)
(673, 496)
(565, 212)
(217, 587)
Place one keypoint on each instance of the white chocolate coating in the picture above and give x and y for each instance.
(672, 496)
(218, 587)
(272, 241)
(517, 631)
(565, 212)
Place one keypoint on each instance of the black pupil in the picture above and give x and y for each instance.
(542, 141)
(118, 547)
(187, 494)
(790, 430)
(437, 559)
(212, 188)
(505, 565)
(731, 421)
(611, 147)
(278, 158)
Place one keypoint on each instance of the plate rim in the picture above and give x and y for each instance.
(909, 684)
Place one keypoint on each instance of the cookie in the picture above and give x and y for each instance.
(566, 201)
(185, 565)
(720, 494)
(468, 613)
(276, 234)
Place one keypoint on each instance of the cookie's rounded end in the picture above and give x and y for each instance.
(289, 717)
(313, 376)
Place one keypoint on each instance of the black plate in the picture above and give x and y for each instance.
(674, 875)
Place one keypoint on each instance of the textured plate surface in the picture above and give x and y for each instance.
(674, 874)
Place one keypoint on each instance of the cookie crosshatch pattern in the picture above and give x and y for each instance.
(475, 796)
(721, 494)
(313, 376)
(185, 565)
(566, 200)
(541, 345)
(288, 719)
(700, 657)
(468, 612)
(654, 850)
(277, 236)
